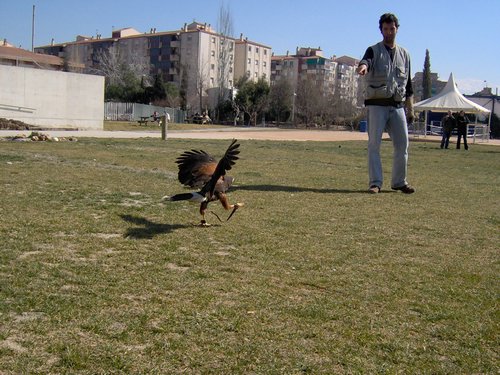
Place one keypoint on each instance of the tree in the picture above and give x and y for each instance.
(202, 79)
(426, 81)
(309, 99)
(225, 29)
(252, 98)
(183, 90)
(112, 65)
(172, 95)
(156, 92)
(281, 99)
(127, 89)
(126, 80)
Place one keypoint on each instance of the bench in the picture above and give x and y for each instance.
(143, 120)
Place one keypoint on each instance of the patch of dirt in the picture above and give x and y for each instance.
(12, 345)
(175, 267)
(8, 124)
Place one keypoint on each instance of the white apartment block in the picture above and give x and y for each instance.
(253, 60)
(195, 56)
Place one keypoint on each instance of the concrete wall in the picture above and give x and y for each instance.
(52, 99)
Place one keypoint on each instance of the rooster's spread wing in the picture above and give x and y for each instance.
(195, 168)
(225, 164)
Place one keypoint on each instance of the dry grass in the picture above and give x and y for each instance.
(97, 275)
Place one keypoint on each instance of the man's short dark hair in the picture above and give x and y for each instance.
(388, 18)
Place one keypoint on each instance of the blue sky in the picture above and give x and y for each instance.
(461, 35)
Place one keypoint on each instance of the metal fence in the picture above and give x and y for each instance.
(478, 132)
(134, 111)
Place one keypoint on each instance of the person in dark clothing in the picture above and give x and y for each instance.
(462, 122)
(448, 123)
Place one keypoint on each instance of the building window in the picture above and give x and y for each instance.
(264, 63)
(249, 48)
(255, 75)
(212, 81)
(213, 40)
(249, 61)
(256, 49)
(256, 62)
(212, 66)
(265, 52)
(248, 73)
(213, 53)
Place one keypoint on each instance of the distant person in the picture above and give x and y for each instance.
(389, 100)
(462, 122)
(167, 117)
(448, 122)
(156, 117)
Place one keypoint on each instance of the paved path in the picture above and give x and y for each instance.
(224, 133)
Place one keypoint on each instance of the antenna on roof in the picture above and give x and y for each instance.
(33, 30)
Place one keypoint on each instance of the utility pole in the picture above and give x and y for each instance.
(33, 30)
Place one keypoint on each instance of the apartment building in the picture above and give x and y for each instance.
(347, 84)
(195, 57)
(418, 88)
(13, 56)
(336, 76)
(252, 60)
(306, 64)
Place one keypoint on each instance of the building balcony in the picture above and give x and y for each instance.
(174, 58)
(175, 43)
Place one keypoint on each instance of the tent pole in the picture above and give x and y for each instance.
(425, 123)
(489, 127)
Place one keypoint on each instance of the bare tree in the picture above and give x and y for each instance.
(109, 65)
(225, 51)
(114, 66)
(194, 84)
(281, 99)
(309, 99)
(202, 79)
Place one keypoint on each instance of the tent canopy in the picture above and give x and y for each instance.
(450, 99)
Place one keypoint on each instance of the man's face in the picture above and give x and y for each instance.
(389, 31)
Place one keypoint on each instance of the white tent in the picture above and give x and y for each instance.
(450, 99)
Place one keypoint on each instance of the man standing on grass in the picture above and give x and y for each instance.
(389, 94)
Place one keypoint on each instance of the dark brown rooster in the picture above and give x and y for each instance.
(198, 169)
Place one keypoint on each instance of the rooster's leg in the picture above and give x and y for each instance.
(225, 203)
(203, 210)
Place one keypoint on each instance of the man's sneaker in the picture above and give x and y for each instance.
(407, 189)
(374, 189)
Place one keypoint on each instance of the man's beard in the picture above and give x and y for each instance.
(389, 39)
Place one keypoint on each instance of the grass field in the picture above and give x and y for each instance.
(313, 275)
